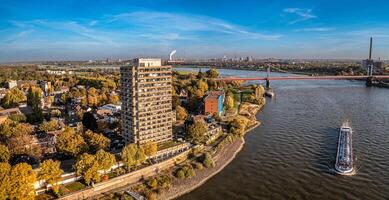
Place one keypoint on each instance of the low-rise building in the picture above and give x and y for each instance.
(114, 108)
(4, 114)
(214, 103)
(11, 84)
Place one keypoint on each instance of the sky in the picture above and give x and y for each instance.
(33, 30)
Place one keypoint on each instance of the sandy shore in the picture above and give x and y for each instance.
(222, 159)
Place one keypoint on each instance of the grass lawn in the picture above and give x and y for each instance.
(75, 186)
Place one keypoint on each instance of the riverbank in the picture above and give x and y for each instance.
(222, 159)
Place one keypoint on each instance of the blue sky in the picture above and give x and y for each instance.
(82, 30)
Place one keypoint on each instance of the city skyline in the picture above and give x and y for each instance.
(74, 30)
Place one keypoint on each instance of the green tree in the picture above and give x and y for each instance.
(212, 73)
(229, 102)
(88, 167)
(5, 170)
(150, 148)
(51, 172)
(22, 180)
(4, 153)
(34, 98)
(181, 113)
(96, 141)
(13, 98)
(105, 159)
(71, 143)
(197, 132)
(132, 155)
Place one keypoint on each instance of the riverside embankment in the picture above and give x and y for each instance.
(222, 157)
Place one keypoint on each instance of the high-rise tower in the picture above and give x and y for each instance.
(146, 94)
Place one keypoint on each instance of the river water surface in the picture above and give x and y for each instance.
(292, 154)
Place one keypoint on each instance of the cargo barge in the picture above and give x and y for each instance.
(344, 158)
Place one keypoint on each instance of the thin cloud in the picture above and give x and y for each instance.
(302, 14)
(316, 29)
(183, 24)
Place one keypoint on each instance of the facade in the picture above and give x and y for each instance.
(214, 103)
(146, 96)
(11, 84)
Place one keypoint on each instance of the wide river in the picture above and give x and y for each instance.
(292, 154)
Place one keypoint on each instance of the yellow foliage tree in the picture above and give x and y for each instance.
(22, 179)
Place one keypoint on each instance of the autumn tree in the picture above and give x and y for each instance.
(51, 172)
(70, 142)
(22, 180)
(202, 85)
(5, 170)
(181, 113)
(197, 132)
(150, 148)
(4, 153)
(212, 73)
(48, 126)
(132, 155)
(96, 141)
(12, 98)
(88, 167)
(238, 125)
(229, 102)
(114, 99)
(93, 97)
(24, 144)
(105, 159)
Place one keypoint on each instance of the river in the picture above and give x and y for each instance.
(292, 154)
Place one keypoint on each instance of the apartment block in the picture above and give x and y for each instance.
(146, 95)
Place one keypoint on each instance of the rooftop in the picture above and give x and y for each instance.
(214, 94)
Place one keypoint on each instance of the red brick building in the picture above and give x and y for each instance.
(214, 102)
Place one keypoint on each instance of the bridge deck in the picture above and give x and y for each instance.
(300, 78)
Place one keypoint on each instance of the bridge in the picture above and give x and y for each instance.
(300, 78)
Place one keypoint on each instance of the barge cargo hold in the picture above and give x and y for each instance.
(344, 158)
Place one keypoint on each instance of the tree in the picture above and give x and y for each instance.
(88, 167)
(5, 170)
(89, 121)
(197, 132)
(48, 126)
(93, 97)
(212, 73)
(229, 102)
(238, 125)
(132, 155)
(24, 144)
(96, 141)
(150, 148)
(34, 98)
(22, 129)
(51, 172)
(105, 159)
(4, 153)
(114, 99)
(71, 143)
(207, 160)
(22, 180)
(202, 85)
(181, 113)
(13, 98)
(18, 118)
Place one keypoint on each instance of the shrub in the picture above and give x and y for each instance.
(198, 166)
(208, 160)
(180, 174)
